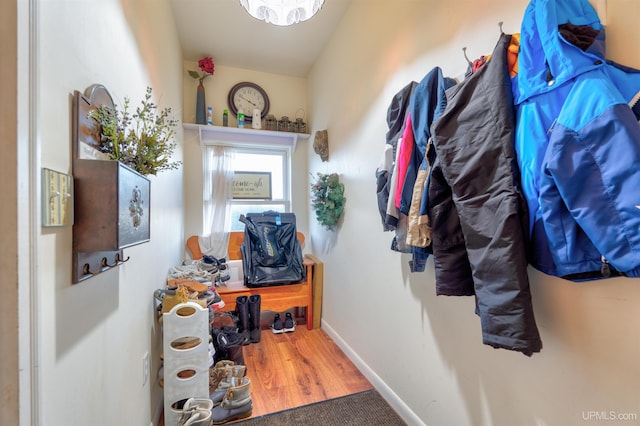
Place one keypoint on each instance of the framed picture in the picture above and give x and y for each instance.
(252, 185)
(57, 198)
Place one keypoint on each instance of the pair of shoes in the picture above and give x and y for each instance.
(188, 271)
(220, 265)
(279, 326)
(248, 312)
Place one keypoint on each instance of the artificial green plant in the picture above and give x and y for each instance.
(328, 199)
(143, 141)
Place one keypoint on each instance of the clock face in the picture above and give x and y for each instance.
(247, 97)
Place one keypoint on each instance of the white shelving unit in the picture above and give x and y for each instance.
(185, 322)
(234, 136)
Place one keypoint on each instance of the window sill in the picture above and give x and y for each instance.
(234, 136)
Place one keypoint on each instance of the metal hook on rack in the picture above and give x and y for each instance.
(500, 26)
(121, 261)
(105, 265)
(85, 271)
(464, 52)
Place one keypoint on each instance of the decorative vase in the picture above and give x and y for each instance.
(201, 109)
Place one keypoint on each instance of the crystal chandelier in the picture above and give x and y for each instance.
(282, 12)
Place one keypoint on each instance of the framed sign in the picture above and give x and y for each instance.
(252, 185)
(57, 198)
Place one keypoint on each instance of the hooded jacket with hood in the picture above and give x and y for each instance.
(396, 116)
(578, 144)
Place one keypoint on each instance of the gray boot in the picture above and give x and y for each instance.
(236, 403)
(196, 412)
(217, 373)
(230, 373)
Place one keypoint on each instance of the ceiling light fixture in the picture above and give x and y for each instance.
(282, 12)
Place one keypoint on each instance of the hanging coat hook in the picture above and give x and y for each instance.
(86, 272)
(464, 52)
(121, 261)
(500, 26)
(104, 263)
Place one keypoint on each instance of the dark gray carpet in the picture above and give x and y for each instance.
(364, 408)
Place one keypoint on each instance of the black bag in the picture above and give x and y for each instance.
(271, 252)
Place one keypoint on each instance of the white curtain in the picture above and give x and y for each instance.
(218, 186)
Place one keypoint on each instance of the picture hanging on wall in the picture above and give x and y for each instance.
(252, 185)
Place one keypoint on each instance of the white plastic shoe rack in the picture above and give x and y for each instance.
(185, 320)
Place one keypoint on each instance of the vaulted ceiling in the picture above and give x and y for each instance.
(224, 30)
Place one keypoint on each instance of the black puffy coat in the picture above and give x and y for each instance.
(477, 210)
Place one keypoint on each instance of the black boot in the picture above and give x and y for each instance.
(242, 307)
(234, 348)
(228, 344)
(254, 318)
(235, 353)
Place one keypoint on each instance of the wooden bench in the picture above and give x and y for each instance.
(277, 298)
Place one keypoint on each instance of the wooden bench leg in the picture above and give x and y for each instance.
(309, 316)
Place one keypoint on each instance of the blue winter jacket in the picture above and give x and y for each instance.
(578, 144)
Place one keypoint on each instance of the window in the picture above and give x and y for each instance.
(276, 160)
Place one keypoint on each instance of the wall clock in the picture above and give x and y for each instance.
(247, 96)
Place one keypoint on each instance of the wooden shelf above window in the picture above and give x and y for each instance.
(234, 136)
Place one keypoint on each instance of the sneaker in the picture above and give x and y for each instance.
(160, 293)
(210, 262)
(225, 275)
(277, 327)
(218, 266)
(188, 271)
(289, 323)
(182, 270)
(217, 306)
(225, 271)
(210, 297)
(209, 267)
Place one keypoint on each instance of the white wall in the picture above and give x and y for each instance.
(93, 335)
(287, 96)
(425, 352)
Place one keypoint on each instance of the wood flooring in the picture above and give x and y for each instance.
(298, 368)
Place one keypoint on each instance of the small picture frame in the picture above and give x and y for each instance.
(252, 185)
(57, 198)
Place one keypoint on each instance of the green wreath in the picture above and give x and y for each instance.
(328, 199)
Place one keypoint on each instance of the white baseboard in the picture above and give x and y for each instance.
(387, 393)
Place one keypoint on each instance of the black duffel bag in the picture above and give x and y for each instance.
(271, 252)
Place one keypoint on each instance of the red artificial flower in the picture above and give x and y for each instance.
(207, 67)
